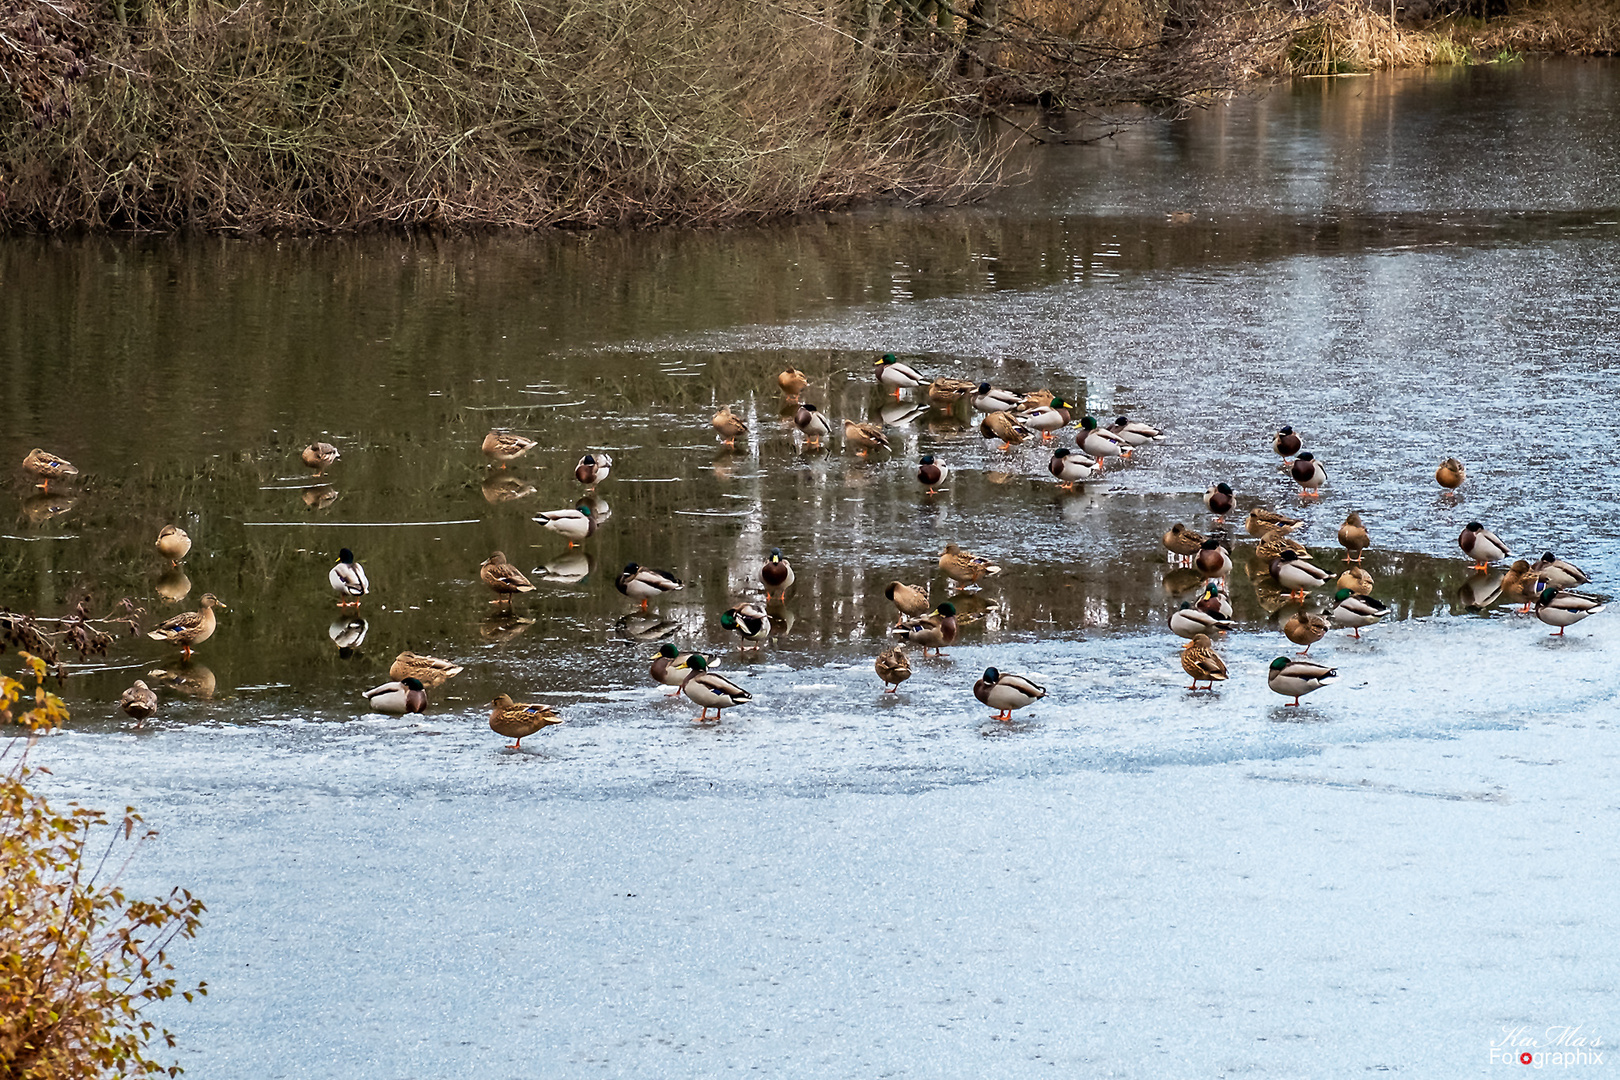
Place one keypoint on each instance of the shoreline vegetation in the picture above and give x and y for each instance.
(321, 116)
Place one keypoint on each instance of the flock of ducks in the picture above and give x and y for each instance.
(1546, 587)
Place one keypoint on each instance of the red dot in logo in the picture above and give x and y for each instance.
(1525, 1058)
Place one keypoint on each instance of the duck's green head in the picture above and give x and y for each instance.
(1342, 595)
(668, 651)
(1279, 663)
(1224, 488)
(947, 609)
(584, 508)
(1547, 593)
(696, 662)
(1089, 423)
(887, 358)
(991, 675)
(926, 459)
(413, 682)
(984, 388)
(728, 618)
(776, 554)
(1060, 403)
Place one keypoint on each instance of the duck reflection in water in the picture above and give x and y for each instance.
(319, 498)
(44, 506)
(639, 627)
(506, 487)
(569, 568)
(174, 586)
(348, 633)
(503, 626)
(192, 680)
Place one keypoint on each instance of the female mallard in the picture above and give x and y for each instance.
(950, 391)
(189, 628)
(932, 472)
(1296, 575)
(430, 671)
(1353, 537)
(319, 456)
(1560, 573)
(505, 487)
(501, 446)
(1305, 628)
(1482, 545)
(644, 583)
(348, 580)
(892, 373)
(933, 631)
(1047, 419)
(908, 598)
(1199, 659)
(1308, 474)
(173, 543)
(729, 425)
(48, 467)
(1038, 399)
(777, 573)
(893, 668)
(1183, 543)
(1261, 521)
(1286, 442)
(669, 667)
(517, 721)
(1212, 559)
(1071, 468)
(1555, 607)
(593, 468)
(866, 436)
(1005, 692)
(503, 578)
(1131, 433)
(1101, 444)
(711, 691)
(1277, 541)
(398, 698)
(1519, 585)
(1218, 500)
(575, 524)
(1189, 622)
(139, 703)
(1356, 611)
(1296, 678)
(750, 621)
(792, 381)
(990, 399)
(810, 421)
(1356, 580)
(1451, 474)
(965, 566)
(1001, 425)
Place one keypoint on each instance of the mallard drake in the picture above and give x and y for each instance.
(1213, 560)
(990, 399)
(711, 691)
(1189, 622)
(1356, 611)
(893, 667)
(729, 425)
(319, 456)
(1001, 425)
(1353, 537)
(1296, 678)
(1005, 692)
(1047, 419)
(892, 373)
(517, 721)
(1356, 580)
(965, 566)
(407, 695)
(430, 671)
(1199, 659)
(910, 599)
(810, 421)
(503, 578)
(173, 543)
(933, 631)
(139, 703)
(1183, 543)
(348, 580)
(1482, 545)
(1296, 575)
(1451, 474)
(1308, 474)
(932, 472)
(792, 381)
(191, 627)
(1214, 599)
(576, 524)
(1071, 467)
(503, 446)
(1286, 442)
(1559, 572)
(47, 467)
(1305, 628)
(1218, 500)
(669, 667)
(644, 583)
(1261, 521)
(866, 436)
(950, 390)
(1132, 433)
(1277, 541)
(1101, 444)
(1519, 585)
(750, 622)
(593, 468)
(777, 573)
(1555, 607)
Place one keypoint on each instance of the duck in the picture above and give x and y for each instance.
(711, 691)
(1199, 659)
(910, 599)
(750, 621)
(1190, 622)
(320, 497)
(1047, 419)
(503, 578)
(892, 373)
(1001, 425)
(47, 467)
(1005, 692)
(430, 671)
(1451, 474)
(1350, 609)
(173, 586)
(1286, 442)
(933, 631)
(1215, 600)
(812, 422)
(729, 425)
(1261, 521)
(1356, 580)
(1296, 678)
(189, 628)
(792, 381)
(1305, 628)
(319, 456)
(192, 680)
(406, 695)
(1353, 537)
(1296, 575)
(517, 721)
(1132, 433)
(965, 566)
(777, 573)
(1037, 399)
(173, 543)
(1072, 467)
(932, 473)
(1482, 545)
(348, 579)
(1519, 585)
(1560, 572)
(893, 667)
(1277, 541)
(1182, 543)
(576, 524)
(669, 667)
(990, 399)
(1101, 444)
(139, 702)
(1556, 607)
(1308, 474)
(1218, 500)
(593, 468)
(644, 583)
(950, 391)
(505, 487)
(348, 633)
(1212, 559)
(866, 436)
(500, 446)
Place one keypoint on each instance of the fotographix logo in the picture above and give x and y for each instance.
(1559, 1045)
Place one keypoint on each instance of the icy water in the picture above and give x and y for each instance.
(1128, 880)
